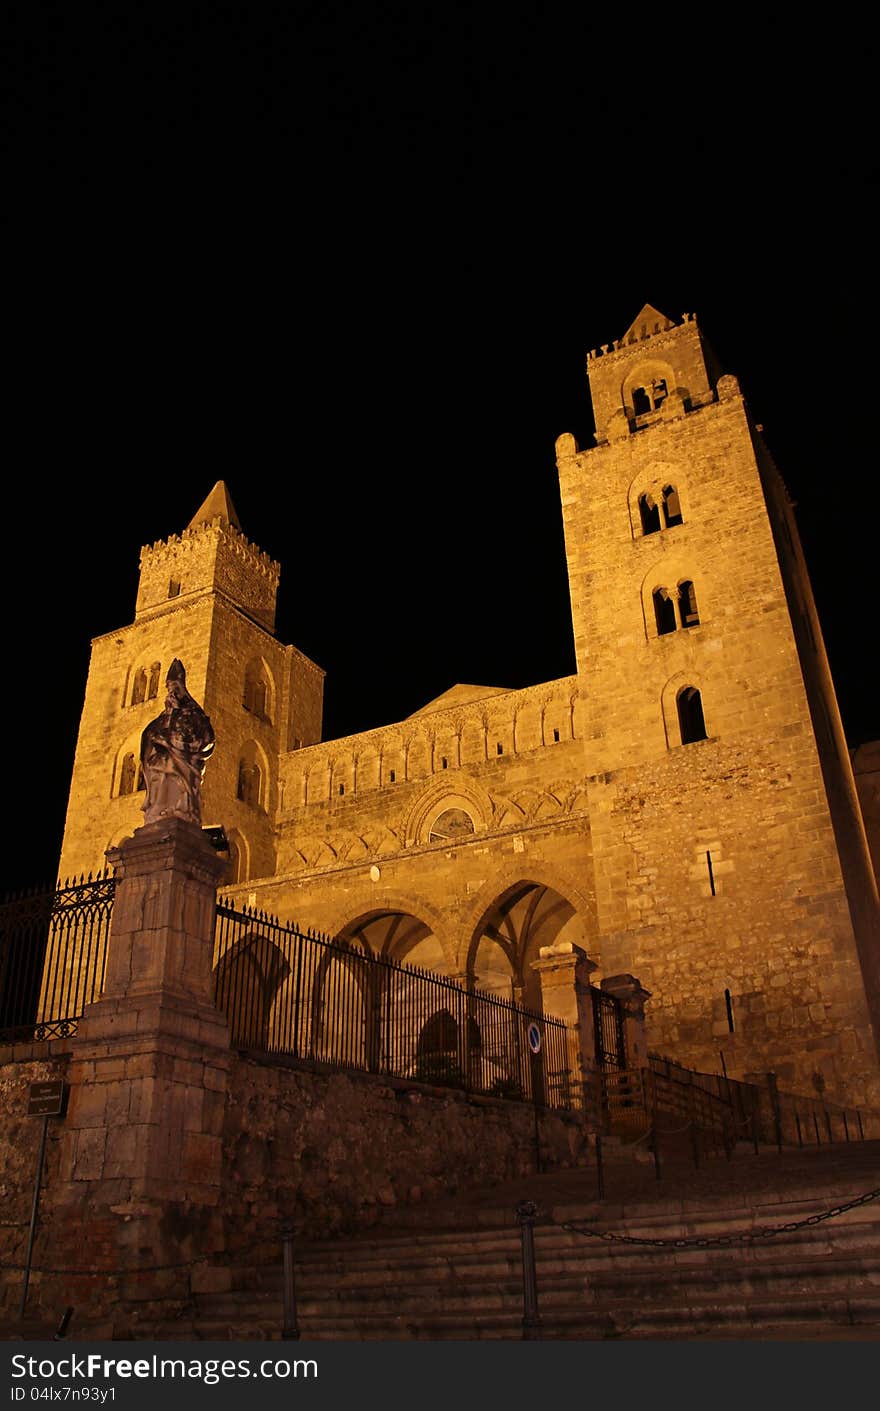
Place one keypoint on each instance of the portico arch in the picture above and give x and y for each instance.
(510, 923)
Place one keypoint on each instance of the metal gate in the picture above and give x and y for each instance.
(609, 1031)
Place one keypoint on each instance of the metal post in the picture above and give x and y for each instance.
(655, 1150)
(525, 1213)
(600, 1169)
(61, 1331)
(290, 1328)
(828, 1124)
(845, 1127)
(777, 1110)
(755, 1119)
(797, 1123)
(33, 1228)
(861, 1129)
(695, 1143)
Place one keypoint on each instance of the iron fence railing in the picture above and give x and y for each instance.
(302, 994)
(53, 947)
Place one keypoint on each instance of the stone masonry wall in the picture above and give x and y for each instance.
(330, 1150)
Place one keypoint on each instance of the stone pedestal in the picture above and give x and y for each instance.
(633, 997)
(142, 1146)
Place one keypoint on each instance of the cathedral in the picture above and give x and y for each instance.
(683, 808)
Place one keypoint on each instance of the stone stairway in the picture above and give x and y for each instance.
(453, 1270)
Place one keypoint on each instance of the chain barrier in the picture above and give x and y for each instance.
(724, 1241)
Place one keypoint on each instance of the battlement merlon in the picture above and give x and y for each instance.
(210, 555)
(659, 368)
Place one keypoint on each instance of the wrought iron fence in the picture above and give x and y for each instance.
(299, 993)
(53, 947)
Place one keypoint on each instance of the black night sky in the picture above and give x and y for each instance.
(353, 268)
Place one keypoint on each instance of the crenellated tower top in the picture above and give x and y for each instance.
(659, 369)
(212, 555)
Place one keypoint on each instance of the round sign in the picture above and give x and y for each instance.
(533, 1033)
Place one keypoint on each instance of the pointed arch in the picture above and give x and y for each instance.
(258, 690)
(252, 776)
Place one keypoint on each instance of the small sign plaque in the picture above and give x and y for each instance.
(533, 1033)
(46, 1099)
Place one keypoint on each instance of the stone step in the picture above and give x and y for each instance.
(787, 1267)
(689, 1318)
(494, 1253)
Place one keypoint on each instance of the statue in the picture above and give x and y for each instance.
(175, 748)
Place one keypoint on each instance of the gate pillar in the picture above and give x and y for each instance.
(564, 970)
(142, 1145)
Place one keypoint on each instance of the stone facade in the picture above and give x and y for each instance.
(682, 809)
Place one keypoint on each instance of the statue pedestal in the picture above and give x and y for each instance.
(142, 1143)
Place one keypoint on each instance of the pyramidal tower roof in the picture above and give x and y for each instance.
(218, 505)
(649, 321)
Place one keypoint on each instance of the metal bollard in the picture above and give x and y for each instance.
(60, 1332)
(525, 1214)
(290, 1327)
(600, 1168)
(655, 1150)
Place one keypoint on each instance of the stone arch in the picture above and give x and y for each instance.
(339, 1005)
(127, 776)
(395, 926)
(258, 689)
(440, 797)
(669, 704)
(239, 856)
(652, 480)
(252, 775)
(523, 908)
(248, 980)
(143, 680)
(654, 378)
(670, 572)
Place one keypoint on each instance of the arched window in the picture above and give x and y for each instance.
(153, 685)
(664, 611)
(234, 861)
(687, 604)
(649, 511)
(671, 506)
(650, 397)
(174, 588)
(249, 783)
(690, 715)
(127, 775)
(256, 691)
(139, 689)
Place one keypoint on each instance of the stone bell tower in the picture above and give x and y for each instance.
(206, 596)
(731, 875)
